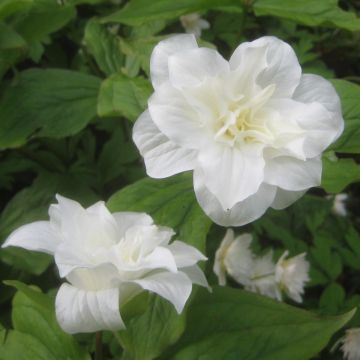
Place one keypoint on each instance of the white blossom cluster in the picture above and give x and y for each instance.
(260, 274)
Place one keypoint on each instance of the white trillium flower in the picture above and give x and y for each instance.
(339, 207)
(252, 129)
(234, 257)
(194, 24)
(107, 259)
(292, 275)
(351, 344)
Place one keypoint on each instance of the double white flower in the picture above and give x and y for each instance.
(107, 260)
(260, 274)
(252, 128)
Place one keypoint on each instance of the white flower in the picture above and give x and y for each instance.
(351, 344)
(262, 277)
(108, 259)
(234, 257)
(252, 129)
(194, 24)
(292, 275)
(339, 207)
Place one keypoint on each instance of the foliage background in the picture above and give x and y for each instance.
(74, 78)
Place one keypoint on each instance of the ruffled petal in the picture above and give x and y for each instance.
(126, 220)
(174, 287)
(79, 310)
(241, 213)
(162, 157)
(190, 68)
(37, 236)
(279, 66)
(159, 70)
(232, 174)
(292, 174)
(185, 255)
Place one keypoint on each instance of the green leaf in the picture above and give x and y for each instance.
(235, 324)
(122, 96)
(54, 103)
(349, 141)
(171, 202)
(9, 7)
(138, 11)
(158, 327)
(309, 12)
(43, 18)
(33, 314)
(104, 46)
(338, 174)
(332, 299)
(31, 204)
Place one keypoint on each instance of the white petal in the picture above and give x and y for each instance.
(284, 198)
(160, 258)
(242, 213)
(37, 236)
(162, 157)
(196, 275)
(174, 287)
(189, 68)
(88, 311)
(232, 174)
(159, 58)
(293, 174)
(282, 68)
(184, 254)
(126, 220)
(180, 122)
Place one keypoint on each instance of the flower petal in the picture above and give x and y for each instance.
(174, 287)
(79, 310)
(241, 213)
(162, 157)
(284, 198)
(282, 68)
(232, 174)
(37, 236)
(196, 275)
(126, 220)
(176, 119)
(189, 68)
(292, 174)
(184, 254)
(159, 58)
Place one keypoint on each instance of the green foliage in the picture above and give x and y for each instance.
(231, 324)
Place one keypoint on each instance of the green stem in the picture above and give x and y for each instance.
(98, 346)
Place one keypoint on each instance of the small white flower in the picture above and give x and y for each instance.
(234, 257)
(252, 129)
(194, 24)
(292, 275)
(351, 344)
(262, 277)
(108, 259)
(339, 207)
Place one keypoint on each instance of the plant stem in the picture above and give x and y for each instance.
(98, 346)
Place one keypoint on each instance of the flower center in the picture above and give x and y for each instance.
(242, 123)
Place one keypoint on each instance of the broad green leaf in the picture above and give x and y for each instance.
(233, 324)
(349, 141)
(138, 11)
(339, 173)
(104, 46)
(54, 103)
(309, 12)
(31, 204)
(9, 7)
(43, 18)
(33, 314)
(122, 96)
(332, 299)
(171, 202)
(147, 335)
